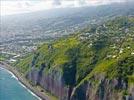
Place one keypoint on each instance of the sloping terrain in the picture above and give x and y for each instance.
(96, 63)
(45, 24)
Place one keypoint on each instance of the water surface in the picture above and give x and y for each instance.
(12, 89)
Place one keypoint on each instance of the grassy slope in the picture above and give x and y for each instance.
(2, 57)
(108, 52)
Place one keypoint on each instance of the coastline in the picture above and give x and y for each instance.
(35, 91)
(21, 83)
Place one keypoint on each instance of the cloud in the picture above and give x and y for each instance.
(77, 3)
(87, 2)
(56, 2)
(23, 6)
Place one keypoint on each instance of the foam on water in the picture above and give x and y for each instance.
(29, 90)
(13, 76)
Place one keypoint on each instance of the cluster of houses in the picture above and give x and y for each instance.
(117, 47)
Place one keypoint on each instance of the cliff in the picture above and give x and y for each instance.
(96, 63)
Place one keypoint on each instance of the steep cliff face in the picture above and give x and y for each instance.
(53, 68)
(52, 82)
(111, 84)
(104, 89)
(95, 64)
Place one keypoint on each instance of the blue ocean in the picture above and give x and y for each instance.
(12, 89)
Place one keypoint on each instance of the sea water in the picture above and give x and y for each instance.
(12, 89)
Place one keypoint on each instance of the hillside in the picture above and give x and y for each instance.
(22, 33)
(96, 63)
(64, 21)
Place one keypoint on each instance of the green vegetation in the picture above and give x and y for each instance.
(23, 65)
(107, 49)
(2, 57)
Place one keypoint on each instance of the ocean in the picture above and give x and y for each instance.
(12, 89)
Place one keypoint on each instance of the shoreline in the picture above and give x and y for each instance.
(21, 83)
(34, 90)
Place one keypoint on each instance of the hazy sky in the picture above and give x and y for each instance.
(22, 6)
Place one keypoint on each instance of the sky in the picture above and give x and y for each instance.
(9, 7)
